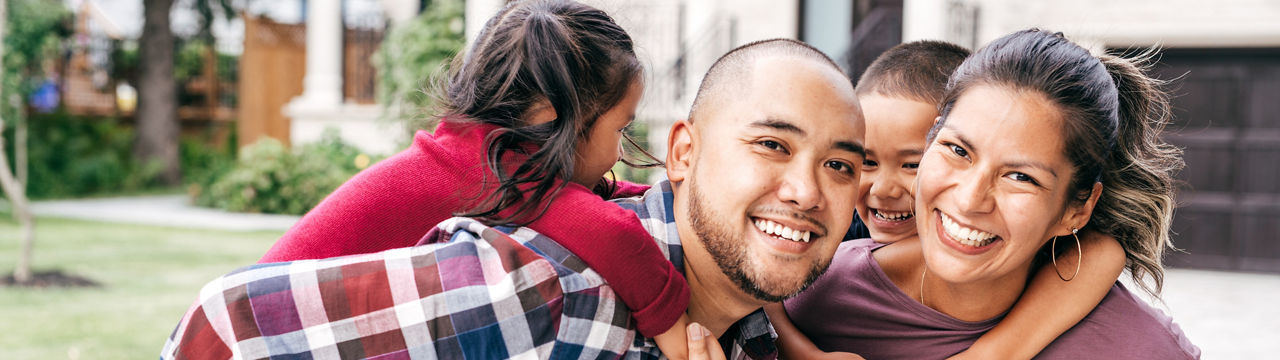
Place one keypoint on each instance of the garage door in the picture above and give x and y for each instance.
(1227, 118)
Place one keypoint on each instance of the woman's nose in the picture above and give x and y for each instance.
(973, 193)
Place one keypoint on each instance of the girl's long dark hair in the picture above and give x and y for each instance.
(565, 53)
(1114, 114)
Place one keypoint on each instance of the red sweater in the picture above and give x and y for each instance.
(397, 201)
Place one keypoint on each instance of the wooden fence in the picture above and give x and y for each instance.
(274, 64)
(271, 71)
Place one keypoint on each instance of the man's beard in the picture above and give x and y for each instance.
(732, 256)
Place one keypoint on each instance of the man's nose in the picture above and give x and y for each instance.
(800, 188)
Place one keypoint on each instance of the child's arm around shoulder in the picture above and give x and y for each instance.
(1050, 306)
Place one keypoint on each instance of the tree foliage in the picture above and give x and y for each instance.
(412, 56)
(34, 33)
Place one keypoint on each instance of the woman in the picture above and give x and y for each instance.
(1038, 139)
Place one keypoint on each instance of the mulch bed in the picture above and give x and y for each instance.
(51, 279)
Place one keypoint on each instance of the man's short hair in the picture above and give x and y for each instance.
(916, 70)
(727, 73)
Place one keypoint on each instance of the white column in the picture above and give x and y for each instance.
(322, 86)
(400, 11)
(924, 20)
(477, 13)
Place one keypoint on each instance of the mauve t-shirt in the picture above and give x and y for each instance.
(854, 307)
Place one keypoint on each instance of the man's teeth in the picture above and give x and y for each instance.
(782, 231)
(893, 215)
(964, 235)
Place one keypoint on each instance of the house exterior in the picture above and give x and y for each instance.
(1223, 59)
(323, 104)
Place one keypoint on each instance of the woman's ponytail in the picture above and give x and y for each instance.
(1137, 202)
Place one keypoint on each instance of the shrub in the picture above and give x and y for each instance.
(203, 163)
(77, 156)
(269, 178)
(412, 56)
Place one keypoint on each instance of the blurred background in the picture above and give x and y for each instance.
(151, 145)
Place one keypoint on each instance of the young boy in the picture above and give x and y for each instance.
(899, 94)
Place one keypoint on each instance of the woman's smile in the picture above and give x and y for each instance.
(963, 238)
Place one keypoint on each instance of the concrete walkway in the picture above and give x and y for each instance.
(161, 210)
(1229, 315)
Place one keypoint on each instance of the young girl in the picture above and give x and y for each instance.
(899, 94)
(534, 117)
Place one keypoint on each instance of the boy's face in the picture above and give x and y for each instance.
(895, 141)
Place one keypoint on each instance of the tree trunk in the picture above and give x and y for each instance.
(20, 147)
(157, 93)
(13, 189)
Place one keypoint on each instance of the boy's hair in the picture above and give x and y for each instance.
(916, 70)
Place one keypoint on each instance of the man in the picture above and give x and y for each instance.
(762, 183)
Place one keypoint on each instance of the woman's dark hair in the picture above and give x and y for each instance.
(565, 53)
(1113, 115)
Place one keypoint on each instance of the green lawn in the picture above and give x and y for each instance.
(150, 275)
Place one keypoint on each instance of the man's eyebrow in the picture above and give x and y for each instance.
(778, 124)
(851, 146)
(783, 125)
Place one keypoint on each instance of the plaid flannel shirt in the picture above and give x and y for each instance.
(488, 293)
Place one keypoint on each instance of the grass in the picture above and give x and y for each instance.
(149, 276)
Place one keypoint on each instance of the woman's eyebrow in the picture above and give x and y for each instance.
(1035, 165)
(1016, 164)
(960, 137)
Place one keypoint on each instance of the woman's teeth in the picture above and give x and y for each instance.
(964, 235)
(892, 215)
(782, 231)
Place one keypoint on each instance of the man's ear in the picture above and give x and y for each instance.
(1078, 217)
(680, 143)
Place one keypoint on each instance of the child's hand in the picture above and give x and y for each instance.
(702, 346)
(673, 343)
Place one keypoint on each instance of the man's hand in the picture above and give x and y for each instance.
(701, 345)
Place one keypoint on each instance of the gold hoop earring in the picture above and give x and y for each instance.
(1079, 255)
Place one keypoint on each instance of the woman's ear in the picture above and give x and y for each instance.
(680, 146)
(1077, 217)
